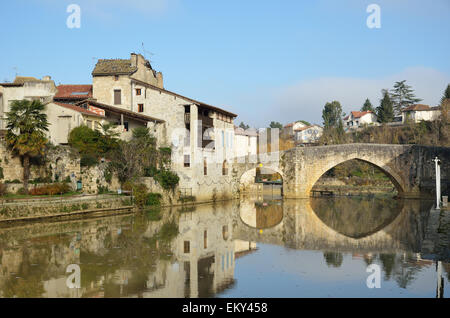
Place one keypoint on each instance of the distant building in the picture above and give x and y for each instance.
(357, 119)
(290, 129)
(308, 134)
(420, 112)
(245, 142)
(29, 88)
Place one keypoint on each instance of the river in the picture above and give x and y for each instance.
(254, 247)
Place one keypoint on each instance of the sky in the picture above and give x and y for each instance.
(263, 60)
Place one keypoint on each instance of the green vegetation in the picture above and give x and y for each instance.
(275, 124)
(244, 126)
(402, 95)
(333, 131)
(26, 125)
(385, 111)
(92, 144)
(367, 106)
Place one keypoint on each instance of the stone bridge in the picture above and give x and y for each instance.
(408, 166)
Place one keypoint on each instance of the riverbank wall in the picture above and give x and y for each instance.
(40, 208)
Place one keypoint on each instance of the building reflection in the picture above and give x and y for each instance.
(193, 253)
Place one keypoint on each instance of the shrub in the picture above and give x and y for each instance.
(88, 161)
(167, 179)
(21, 191)
(84, 206)
(51, 189)
(154, 199)
(140, 194)
(102, 189)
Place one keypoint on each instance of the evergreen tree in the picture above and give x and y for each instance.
(385, 111)
(367, 106)
(402, 95)
(244, 126)
(446, 94)
(275, 124)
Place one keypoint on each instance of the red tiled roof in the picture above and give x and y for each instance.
(67, 91)
(78, 109)
(357, 114)
(416, 107)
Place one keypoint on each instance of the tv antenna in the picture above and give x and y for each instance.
(145, 52)
(16, 69)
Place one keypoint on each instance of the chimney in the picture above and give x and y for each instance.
(46, 78)
(133, 59)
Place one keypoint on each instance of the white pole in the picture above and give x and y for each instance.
(437, 165)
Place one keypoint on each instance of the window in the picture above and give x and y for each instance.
(117, 97)
(223, 139)
(138, 91)
(140, 108)
(205, 239)
(116, 77)
(225, 168)
(187, 247)
(205, 167)
(187, 161)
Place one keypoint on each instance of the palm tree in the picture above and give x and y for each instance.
(26, 124)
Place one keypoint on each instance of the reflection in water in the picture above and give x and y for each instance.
(240, 249)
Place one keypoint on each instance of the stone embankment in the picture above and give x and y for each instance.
(25, 210)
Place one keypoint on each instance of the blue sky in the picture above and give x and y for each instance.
(264, 60)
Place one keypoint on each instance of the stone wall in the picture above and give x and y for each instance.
(58, 164)
(51, 206)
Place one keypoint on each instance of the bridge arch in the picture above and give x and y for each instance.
(395, 178)
(247, 177)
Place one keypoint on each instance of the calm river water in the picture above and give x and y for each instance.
(255, 247)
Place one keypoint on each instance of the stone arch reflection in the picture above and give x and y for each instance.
(356, 217)
(261, 214)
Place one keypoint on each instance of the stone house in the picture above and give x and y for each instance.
(64, 117)
(200, 135)
(29, 88)
(289, 129)
(357, 119)
(245, 141)
(308, 134)
(419, 112)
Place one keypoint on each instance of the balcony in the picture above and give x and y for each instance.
(206, 121)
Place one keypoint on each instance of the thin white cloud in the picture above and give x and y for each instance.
(305, 99)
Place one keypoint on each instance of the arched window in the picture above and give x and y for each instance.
(225, 168)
